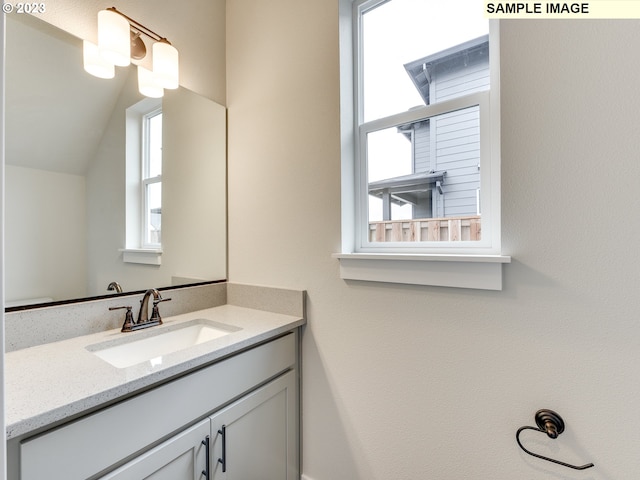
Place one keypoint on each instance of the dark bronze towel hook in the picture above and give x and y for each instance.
(551, 423)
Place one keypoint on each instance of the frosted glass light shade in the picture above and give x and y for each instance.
(165, 64)
(114, 38)
(148, 84)
(94, 63)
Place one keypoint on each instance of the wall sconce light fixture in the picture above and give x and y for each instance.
(119, 41)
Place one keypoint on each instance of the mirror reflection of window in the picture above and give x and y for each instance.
(144, 140)
(152, 179)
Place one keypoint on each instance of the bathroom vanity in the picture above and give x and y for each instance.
(223, 406)
(215, 388)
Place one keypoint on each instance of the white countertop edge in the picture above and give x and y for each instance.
(24, 415)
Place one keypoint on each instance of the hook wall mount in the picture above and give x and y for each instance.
(551, 424)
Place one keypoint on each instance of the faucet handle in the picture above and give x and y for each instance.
(155, 312)
(157, 301)
(128, 324)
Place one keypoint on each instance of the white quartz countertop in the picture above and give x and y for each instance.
(47, 384)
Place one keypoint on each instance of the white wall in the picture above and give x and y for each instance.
(45, 221)
(105, 200)
(408, 382)
(194, 179)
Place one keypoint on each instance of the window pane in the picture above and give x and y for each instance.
(155, 146)
(388, 157)
(426, 170)
(154, 214)
(407, 59)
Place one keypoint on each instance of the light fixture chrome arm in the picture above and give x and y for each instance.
(141, 28)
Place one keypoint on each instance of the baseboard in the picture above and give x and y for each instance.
(305, 477)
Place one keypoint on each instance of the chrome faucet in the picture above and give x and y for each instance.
(143, 314)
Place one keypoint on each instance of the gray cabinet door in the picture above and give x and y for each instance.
(182, 457)
(255, 438)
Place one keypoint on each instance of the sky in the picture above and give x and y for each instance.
(395, 33)
(400, 31)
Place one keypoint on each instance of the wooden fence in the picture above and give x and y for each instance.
(451, 229)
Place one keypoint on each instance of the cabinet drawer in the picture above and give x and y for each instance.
(98, 441)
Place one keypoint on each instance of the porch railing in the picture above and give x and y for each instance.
(450, 229)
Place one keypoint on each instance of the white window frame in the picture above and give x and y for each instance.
(471, 264)
(146, 180)
(136, 250)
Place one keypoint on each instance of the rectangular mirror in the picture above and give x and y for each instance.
(67, 180)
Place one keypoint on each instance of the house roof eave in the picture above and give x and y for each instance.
(419, 70)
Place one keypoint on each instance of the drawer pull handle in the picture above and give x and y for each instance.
(223, 459)
(207, 469)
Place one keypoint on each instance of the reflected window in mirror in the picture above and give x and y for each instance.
(152, 179)
(143, 178)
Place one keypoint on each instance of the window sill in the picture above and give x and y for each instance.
(482, 272)
(145, 256)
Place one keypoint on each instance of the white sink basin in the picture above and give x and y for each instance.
(127, 352)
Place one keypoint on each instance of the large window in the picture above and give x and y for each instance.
(423, 118)
(421, 161)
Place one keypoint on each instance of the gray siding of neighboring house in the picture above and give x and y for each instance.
(422, 147)
(422, 163)
(458, 80)
(451, 142)
(458, 152)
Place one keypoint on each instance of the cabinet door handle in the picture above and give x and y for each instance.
(206, 471)
(223, 459)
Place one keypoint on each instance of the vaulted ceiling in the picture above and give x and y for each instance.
(56, 113)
